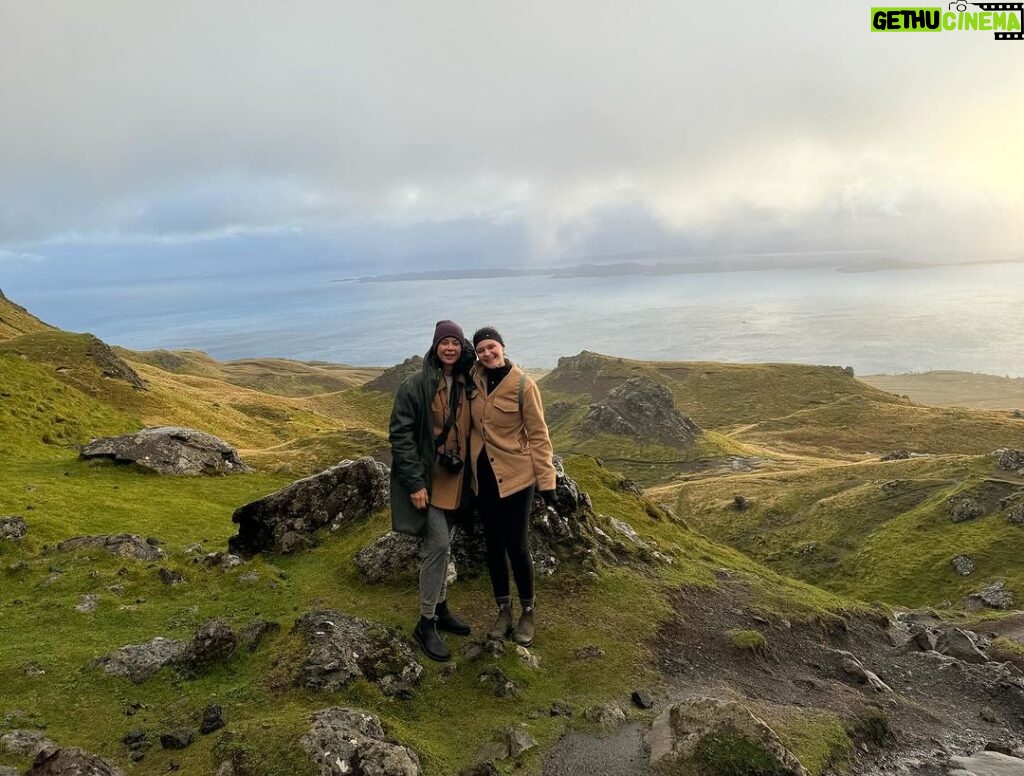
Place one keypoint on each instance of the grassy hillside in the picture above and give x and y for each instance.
(857, 425)
(718, 396)
(279, 376)
(16, 320)
(55, 364)
(857, 530)
(950, 388)
(876, 531)
(618, 612)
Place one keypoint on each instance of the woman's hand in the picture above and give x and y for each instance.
(420, 498)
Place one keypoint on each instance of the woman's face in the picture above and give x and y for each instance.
(448, 351)
(491, 353)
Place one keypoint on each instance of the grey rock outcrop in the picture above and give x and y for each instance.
(130, 546)
(510, 743)
(853, 667)
(567, 530)
(340, 648)
(1011, 460)
(388, 558)
(994, 596)
(213, 719)
(24, 743)
(345, 742)
(643, 410)
(986, 764)
(169, 450)
(213, 643)
(962, 645)
(70, 761)
(286, 520)
(111, 365)
(678, 731)
(138, 662)
(962, 508)
(963, 565)
(606, 714)
(13, 527)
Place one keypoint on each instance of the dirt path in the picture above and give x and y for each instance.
(939, 707)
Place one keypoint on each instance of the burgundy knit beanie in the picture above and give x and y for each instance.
(444, 329)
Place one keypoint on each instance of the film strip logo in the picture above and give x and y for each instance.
(1001, 7)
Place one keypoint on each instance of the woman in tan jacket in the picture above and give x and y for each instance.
(511, 456)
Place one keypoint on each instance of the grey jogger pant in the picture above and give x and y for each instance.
(435, 552)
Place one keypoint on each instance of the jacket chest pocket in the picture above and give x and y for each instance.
(505, 414)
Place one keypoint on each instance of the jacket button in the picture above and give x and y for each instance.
(492, 460)
(500, 479)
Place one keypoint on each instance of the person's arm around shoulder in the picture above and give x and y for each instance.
(405, 454)
(537, 432)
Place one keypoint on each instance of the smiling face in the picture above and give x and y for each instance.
(491, 353)
(448, 351)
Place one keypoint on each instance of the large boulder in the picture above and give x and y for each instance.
(138, 662)
(130, 546)
(70, 761)
(643, 410)
(286, 520)
(213, 643)
(343, 742)
(686, 729)
(169, 450)
(994, 596)
(341, 648)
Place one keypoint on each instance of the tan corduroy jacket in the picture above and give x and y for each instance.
(445, 487)
(517, 443)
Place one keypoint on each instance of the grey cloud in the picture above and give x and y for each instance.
(126, 117)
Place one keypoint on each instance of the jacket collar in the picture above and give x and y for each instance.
(480, 377)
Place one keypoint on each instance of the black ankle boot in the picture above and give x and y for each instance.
(446, 621)
(430, 641)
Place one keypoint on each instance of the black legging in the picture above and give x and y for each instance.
(506, 523)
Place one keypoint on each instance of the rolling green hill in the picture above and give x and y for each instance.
(873, 530)
(822, 530)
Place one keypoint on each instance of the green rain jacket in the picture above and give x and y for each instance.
(412, 444)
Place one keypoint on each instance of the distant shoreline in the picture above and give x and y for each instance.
(655, 269)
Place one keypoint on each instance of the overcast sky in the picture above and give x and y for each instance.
(139, 135)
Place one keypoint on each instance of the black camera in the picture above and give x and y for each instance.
(451, 461)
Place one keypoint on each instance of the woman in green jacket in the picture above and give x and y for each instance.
(429, 435)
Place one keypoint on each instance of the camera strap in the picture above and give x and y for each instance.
(453, 410)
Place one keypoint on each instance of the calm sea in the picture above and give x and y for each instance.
(966, 318)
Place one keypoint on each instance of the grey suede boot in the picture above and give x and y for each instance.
(502, 627)
(526, 628)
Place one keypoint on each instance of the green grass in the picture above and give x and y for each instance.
(872, 531)
(82, 706)
(749, 640)
(857, 425)
(42, 417)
